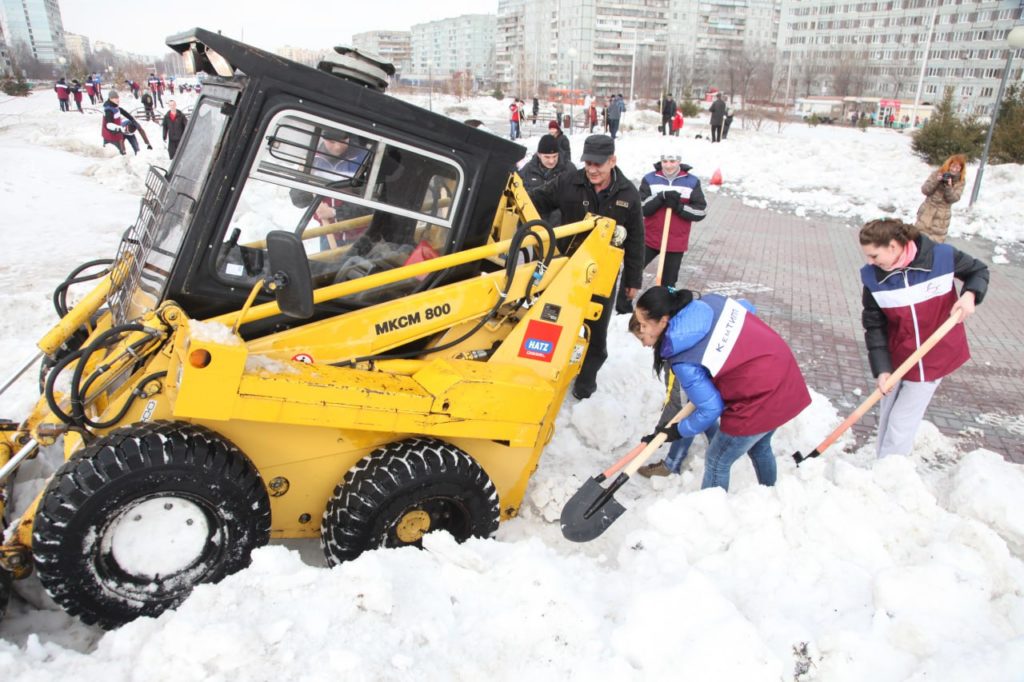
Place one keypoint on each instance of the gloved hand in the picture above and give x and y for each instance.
(670, 431)
(671, 199)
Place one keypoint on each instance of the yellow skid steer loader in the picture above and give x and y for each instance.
(336, 315)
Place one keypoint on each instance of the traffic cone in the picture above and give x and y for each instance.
(716, 177)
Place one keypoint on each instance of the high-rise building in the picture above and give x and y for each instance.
(302, 55)
(393, 46)
(636, 47)
(463, 45)
(878, 49)
(77, 46)
(36, 25)
(5, 59)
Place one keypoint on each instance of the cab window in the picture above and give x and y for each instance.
(361, 203)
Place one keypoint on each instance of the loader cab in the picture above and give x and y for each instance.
(367, 182)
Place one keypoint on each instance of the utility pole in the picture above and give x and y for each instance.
(924, 67)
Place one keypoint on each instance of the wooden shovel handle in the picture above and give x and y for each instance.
(688, 408)
(664, 246)
(894, 378)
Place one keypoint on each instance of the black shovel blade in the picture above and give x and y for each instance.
(581, 520)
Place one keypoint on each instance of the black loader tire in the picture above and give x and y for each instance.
(402, 490)
(136, 473)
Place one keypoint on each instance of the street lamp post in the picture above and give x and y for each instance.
(1015, 40)
(572, 87)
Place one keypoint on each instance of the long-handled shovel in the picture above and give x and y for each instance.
(593, 508)
(664, 246)
(907, 365)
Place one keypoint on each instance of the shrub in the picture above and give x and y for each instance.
(15, 88)
(498, 94)
(1008, 137)
(812, 120)
(689, 108)
(946, 134)
(864, 123)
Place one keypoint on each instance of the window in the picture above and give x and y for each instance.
(361, 203)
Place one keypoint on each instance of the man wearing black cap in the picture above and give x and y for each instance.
(546, 164)
(601, 189)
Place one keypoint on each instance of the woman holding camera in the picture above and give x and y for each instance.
(942, 189)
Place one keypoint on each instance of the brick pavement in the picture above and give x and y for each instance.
(802, 275)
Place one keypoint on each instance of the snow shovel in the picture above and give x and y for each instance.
(664, 246)
(593, 508)
(907, 365)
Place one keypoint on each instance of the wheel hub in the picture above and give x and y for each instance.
(157, 537)
(413, 525)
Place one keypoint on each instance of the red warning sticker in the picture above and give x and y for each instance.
(540, 340)
(303, 357)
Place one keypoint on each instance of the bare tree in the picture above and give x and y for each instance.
(809, 71)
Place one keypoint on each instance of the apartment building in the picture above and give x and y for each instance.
(634, 47)
(392, 46)
(77, 46)
(878, 49)
(36, 25)
(443, 48)
(5, 58)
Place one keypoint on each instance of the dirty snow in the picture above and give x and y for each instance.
(848, 569)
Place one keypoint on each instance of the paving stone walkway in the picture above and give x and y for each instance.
(801, 273)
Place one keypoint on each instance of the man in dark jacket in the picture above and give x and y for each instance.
(717, 117)
(668, 110)
(174, 127)
(545, 165)
(598, 188)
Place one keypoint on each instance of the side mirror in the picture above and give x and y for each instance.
(289, 274)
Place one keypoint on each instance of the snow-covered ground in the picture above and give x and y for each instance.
(848, 569)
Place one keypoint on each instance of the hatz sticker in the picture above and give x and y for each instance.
(621, 203)
(540, 340)
(305, 358)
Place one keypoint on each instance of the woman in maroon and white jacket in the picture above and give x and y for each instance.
(909, 292)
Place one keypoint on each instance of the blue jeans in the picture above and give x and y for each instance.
(678, 450)
(725, 449)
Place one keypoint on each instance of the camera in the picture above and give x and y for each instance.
(948, 177)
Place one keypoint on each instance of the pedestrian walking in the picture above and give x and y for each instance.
(513, 120)
(76, 94)
(564, 145)
(616, 106)
(63, 93)
(673, 402)
(942, 189)
(174, 127)
(909, 292)
(602, 189)
(727, 122)
(668, 109)
(732, 366)
(536, 110)
(592, 115)
(147, 104)
(717, 110)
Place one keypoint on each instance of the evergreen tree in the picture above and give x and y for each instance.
(946, 134)
(1008, 137)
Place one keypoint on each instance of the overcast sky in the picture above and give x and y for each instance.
(269, 24)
